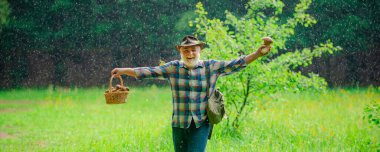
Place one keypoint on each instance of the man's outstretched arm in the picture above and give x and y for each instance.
(139, 73)
(123, 71)
(253, 56)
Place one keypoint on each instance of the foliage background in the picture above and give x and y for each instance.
(79, 42)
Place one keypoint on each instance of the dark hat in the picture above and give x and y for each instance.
(190, 41)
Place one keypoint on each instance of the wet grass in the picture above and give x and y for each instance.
(79, 120)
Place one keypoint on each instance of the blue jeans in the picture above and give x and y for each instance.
(191, 139)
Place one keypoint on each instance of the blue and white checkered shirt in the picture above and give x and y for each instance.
(189, 86)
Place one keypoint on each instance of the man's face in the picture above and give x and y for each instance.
(190, 55)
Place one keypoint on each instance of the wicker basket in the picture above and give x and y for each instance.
(115, 97)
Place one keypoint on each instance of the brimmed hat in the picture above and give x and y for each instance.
(190, 41)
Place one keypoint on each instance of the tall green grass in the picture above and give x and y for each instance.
(79, 120)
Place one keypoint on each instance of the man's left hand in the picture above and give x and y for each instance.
(260, 51)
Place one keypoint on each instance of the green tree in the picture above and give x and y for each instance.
(267, 75)
(4, 13)
(353, 24)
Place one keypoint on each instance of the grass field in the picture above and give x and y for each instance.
(79, 120)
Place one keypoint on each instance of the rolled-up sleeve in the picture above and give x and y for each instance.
(228, 67)
(157, 72)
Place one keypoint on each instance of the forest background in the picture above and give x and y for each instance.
(78, 43)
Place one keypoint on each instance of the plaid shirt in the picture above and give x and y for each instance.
(189, 86)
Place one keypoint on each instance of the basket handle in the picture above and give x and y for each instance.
(121, 82)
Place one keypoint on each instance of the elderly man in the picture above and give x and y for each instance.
(187, 78)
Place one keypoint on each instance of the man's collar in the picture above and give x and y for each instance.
(200, 64)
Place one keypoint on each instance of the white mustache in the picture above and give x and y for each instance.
(190, 62)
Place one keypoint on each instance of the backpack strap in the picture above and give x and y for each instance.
(208, 79)
(208, 75)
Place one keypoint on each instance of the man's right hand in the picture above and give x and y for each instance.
(116, 72)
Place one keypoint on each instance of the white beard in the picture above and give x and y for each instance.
(190, 63)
